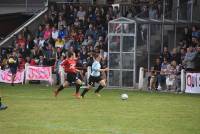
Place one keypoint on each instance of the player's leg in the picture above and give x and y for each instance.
(102, 84)
(61, 87)
(90, 85)
(86, 90)
(78, 85)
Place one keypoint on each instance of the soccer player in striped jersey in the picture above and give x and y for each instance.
(95, 76)
(69, 65)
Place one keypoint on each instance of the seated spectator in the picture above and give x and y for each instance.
(42, 61)
(54, 33)
(165, 54)
(21, 64)
(47, 32)
(176, 56)
(195, 33)
(61, 22)
(41, 42)
(90, 31)
(59, 42)
(36, 52)
(20, 42)
(77, 23)
(62, 32)
(88, 41)
(172, 76)
(29, 42)
(40, 32)
(81, 13)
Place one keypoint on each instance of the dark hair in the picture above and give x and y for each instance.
(70, 54)
(95, 55)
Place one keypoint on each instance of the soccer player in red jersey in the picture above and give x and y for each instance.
(69, 65)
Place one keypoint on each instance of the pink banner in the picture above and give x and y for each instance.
(39, 73)
(5, 76)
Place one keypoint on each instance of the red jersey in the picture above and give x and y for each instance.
(69, 65)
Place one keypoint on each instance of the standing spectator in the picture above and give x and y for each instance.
(165, 54)
(13, 64)
(197, 59)
(57, 67)
(163, 73)
(189, 59)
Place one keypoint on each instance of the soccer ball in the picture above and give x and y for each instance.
(124, 96)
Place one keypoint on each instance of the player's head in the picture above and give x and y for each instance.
(97, 56)
(71, 54)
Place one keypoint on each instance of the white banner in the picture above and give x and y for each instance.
(192, 83)
(39, 73)
(5, 76)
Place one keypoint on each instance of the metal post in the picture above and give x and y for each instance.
(163, 19)
(108, 63)
(175, 35)
(134, 63)
(191, 17)
(121, 43)
(178, 10)
(183, 80)
(148, 44)
(26, 5)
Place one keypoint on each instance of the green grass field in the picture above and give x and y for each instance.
(34, 110)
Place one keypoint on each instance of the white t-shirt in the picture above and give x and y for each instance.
(81, 15)
(54, 34)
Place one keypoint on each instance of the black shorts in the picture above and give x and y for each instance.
(72, 77)
(13, 70)
(93, 79)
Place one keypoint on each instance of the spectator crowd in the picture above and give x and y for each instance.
(77, 28)
(168, 66)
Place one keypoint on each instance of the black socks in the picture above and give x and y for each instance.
(60, 88)
(84, 92)
(77, 88)
(99, 88)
